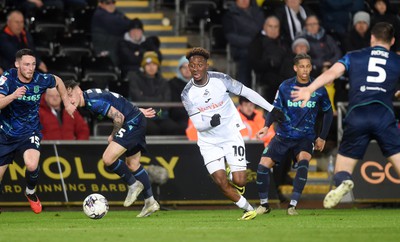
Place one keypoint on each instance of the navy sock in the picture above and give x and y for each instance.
(142, 176)
(263, 174)
(340, 177)
(300, 180)
(32, 178)
(119, 167)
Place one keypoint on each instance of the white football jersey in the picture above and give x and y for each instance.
(213, 98)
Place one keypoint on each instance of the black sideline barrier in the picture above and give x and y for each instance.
(375, 179)
(83, 173)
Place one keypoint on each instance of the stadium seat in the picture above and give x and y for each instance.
(98, 72)
(50, 23)
(103, 128)
(74, 45)
(120, 87)
(217, 39)
(194, 11)
(63, 67)
(80, 21)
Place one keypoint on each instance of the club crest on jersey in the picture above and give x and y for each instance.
(3, 79)
(206, 93)
(36, 89)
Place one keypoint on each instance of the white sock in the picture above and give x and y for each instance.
(29, 191)
(244, 204)
(149, 200)
(264, 201)
(135, 184)
(293, 202)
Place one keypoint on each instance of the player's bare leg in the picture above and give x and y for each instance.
(2, 171)
(230, 192)
(222, 182)
(111, 160)
(395, 160)
(150, 204)
(239, 180)
(343, 169)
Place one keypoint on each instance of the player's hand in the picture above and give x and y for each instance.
(301, 94)
(397, 94)
(278, 115)
(70, 109)
(148, 112)
(215, 120)
(319, 144)
(19, 92)
(262, 132)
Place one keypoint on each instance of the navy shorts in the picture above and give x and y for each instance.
(364, 123)
(10, 146)
(280, 148)
(132, 135)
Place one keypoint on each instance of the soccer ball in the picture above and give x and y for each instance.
(95, 206)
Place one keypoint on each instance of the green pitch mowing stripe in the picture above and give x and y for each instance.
(353, 225)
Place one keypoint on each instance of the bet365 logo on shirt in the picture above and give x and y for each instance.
(309, 104)
(34, 98)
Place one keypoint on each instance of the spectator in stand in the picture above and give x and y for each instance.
(292, 16)
(299, 45)
(241, 23)
(133, 46)
(266, 54)
(324, 50)
(336, 16)
(30, 7)
(149, 86)
(252, 118)
(383, 13)
(176, 85)
(108, 27)
(56, 123)
(360, 35)
(14, 37)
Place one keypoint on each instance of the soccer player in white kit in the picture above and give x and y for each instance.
(214, 115)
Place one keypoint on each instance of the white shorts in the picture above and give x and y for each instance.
(233, 151)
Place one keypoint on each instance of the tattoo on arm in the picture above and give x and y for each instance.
(118, 119)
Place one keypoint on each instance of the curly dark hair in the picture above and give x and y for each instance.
(198, 51)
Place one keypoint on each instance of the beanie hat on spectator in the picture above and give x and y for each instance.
(136, 24)
(150, 57)
(361, 16)
(300, 41)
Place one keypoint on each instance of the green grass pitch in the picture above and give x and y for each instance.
(339, 225)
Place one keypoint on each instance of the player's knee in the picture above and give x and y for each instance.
(267, 162)
(107, 161)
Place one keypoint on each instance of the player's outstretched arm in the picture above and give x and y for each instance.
(63, 93)
(256, 98)
(304, 93)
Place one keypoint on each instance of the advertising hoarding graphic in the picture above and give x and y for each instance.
(69, 172)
